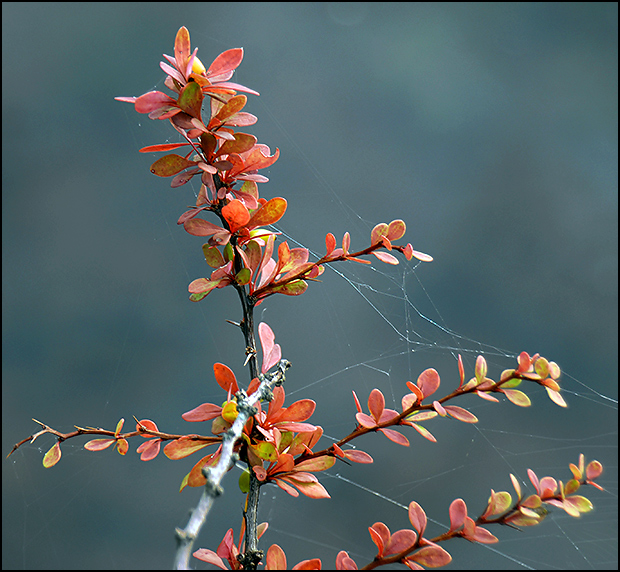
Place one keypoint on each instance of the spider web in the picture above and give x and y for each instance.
(361, 328)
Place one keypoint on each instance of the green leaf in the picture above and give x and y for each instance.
(213, 256)
(243, 276)
(294, 288)
(244, 481)
(190, 99)
(265, 451)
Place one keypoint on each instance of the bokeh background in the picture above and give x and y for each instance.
(490, 128)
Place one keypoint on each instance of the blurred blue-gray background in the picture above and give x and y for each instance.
(490, 128)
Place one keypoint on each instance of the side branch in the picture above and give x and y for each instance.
(228, 457)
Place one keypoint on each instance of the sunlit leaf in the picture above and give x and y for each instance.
(517, 397)
(99, 444)
(431, 556)
(266, 451)
(395, 436)
(276, 559)
(185, 446)
(357, 456)
(424, 432)
(556, 397)
(316, 464)
(52, 456)
(593, 470)
(122, 446)
(396, 230)
(270, 213)
(461, 414)
(386, 257)
(428, 381)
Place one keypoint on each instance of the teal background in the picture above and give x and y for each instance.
(490, 128)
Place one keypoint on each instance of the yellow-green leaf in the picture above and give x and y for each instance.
(52, 456)
(517, 397)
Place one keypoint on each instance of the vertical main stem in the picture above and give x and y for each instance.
(251, 556)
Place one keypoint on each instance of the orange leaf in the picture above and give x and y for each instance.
(236, 214)
(272, 211)
(185, 446)
(276, 559)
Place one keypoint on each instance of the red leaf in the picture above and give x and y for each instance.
(378, 540)
(149, 449)
(376, 403)
(395, 436)
(400, 541)
(396, 230)
(365, 420)
(271, 351)
(357, 456)
(222, 67)
(98, 444)
(386, 257)
(458, 513)
(460, 414)
(162, 147)
(203, 412)
(345, 562)
(382, 532)
(431, 556)
(330, 243)
(225, 378)
(152, 101)
(201, 227)
(417, 517)
(428, 381)
(298, 411)
(209, 557)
